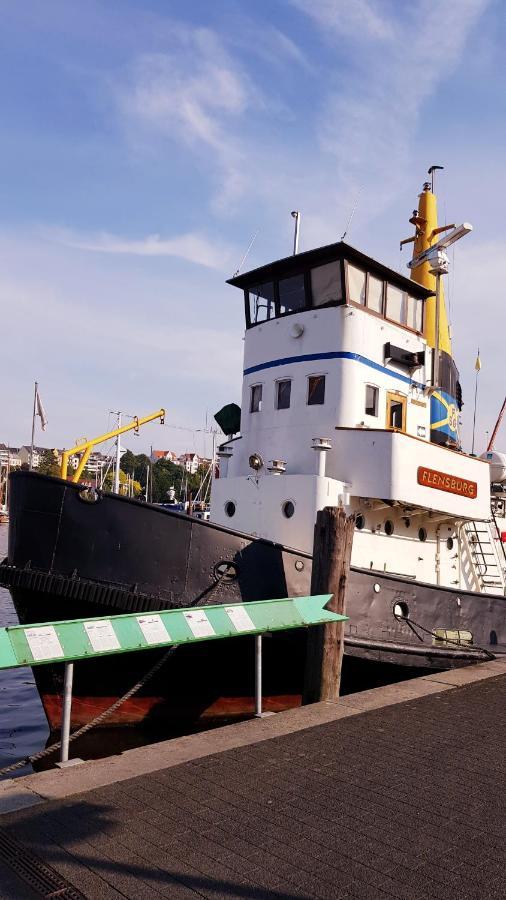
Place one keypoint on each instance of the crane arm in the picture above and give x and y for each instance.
(497, 426)
(86, 447)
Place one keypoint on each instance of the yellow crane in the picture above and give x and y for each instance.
(87, 446)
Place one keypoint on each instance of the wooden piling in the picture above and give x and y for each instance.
(333, 539)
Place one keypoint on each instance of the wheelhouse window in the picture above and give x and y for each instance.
(326, 284)
(283, 393)
(316, 390)
(292, 294)
(356, 285)
(375, 294)
(255, 398)
(333, 283)
(414, 313)
(371, 400)
(261, 303)
(396, 304)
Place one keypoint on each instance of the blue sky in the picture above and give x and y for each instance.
(143, 143)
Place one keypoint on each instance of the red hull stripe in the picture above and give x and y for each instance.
(139, 709)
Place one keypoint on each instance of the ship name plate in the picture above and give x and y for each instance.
(452, 484)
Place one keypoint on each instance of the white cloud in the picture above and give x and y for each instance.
(194, 93)
(103, 332)
(193, 247)
(361, 19)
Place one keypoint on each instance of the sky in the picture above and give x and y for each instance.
(143, 144)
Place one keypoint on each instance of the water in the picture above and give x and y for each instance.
(23, 726)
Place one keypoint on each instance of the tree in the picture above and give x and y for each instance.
(48, 464)
(123, 478)
(164, 475)
(136, 466)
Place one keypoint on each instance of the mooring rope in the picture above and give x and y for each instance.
(410, 622)
(117, 703)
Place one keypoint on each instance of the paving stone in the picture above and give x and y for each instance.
(403, 801)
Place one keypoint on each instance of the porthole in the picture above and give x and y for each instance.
(230, 508)
(389, 527)
(401, 610)
(360, 522)
(449, 543)
(422, 534)
(288, 508)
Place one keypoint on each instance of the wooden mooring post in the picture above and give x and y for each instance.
(333, 539)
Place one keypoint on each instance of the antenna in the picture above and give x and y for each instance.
(243, 260)
(431, 173)
(351, 215)
(295, 214)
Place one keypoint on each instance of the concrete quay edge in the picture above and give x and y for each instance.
(55, 784)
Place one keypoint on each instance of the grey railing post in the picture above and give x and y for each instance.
(67, 709)
(258, 676)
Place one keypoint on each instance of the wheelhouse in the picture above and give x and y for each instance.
(331, 276)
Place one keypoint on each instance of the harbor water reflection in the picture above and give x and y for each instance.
(23, 726)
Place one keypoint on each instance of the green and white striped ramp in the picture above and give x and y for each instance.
(33, 645)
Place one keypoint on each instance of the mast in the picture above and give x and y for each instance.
(6, 498)
(437, 332)
(428, 265)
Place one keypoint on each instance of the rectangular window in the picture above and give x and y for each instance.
(316, 390)
(261, 303)
(283, 392)
(374, 294)
(326, 285)
(415, 313)
(396, 304)
(371, 400)
(256, 398)
(356, 285)
(292, 294)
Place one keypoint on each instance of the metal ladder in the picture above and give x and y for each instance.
(484, 555)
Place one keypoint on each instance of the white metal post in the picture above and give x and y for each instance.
(296, 216)
(258, 676)
(118, 459)
(67, 709)
(438, 313)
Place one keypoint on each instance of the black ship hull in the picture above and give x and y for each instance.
(73, 554)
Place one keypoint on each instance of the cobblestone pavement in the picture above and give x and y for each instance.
(405, 801)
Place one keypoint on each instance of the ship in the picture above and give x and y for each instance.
(350, 398)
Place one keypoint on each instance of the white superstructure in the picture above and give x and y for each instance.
(335, 351)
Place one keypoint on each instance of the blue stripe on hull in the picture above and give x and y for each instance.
(310, 357)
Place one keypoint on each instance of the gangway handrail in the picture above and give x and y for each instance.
(68, 640)
(498, 535)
